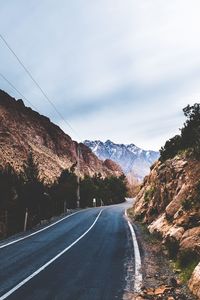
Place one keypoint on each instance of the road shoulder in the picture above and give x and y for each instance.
(160, 281)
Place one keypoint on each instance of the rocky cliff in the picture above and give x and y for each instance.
(23, 130)
(169, 202)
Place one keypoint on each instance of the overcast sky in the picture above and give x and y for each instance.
(116, 69)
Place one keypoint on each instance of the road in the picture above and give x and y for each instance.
(84, 257)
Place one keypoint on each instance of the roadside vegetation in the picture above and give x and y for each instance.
(26, 192)
(188, 142)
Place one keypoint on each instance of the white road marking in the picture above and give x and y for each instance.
(40, 230)
(49, 262)
(138, 264)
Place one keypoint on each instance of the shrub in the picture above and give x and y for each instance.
(187, 204)
(172, 247)
(186, 262)
(149, 194)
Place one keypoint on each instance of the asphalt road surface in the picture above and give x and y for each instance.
(83, 257)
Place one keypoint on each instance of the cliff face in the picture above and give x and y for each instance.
(169, 202)
(23, 130)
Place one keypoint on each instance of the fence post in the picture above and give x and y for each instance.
(65, 205)
(25, 219)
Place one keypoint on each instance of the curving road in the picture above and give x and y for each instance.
(84, 257)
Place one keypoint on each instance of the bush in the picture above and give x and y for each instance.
(192, 202)
(172, 247)
(187, 204)
(186, 262)
(149, 194)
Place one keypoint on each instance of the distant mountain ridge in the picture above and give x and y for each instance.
(134, 161)
(23, 130)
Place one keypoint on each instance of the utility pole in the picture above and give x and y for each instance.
(78, 176)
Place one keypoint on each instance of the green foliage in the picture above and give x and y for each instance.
(21, 192)
(89, 189)
(189, 137)
(171, 148)
(11, 206)
(192, 202)
(64, 191)
(31, 170)
(190, 133)
(149, 194)
(110, 190)
(186, 263)
(172, 247)
(187, 271)
(187, 204)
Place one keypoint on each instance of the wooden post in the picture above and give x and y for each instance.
(65, 205)
(25, 219)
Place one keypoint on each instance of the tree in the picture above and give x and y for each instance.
(111, 190)
(171, 148)
(31, 169)
(114, 190)
(65, 191)
(190, 133)
(189, 139)
(32, 196)
(88, 191)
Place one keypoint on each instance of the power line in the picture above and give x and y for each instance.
(52, 104)
(12, 85)
(38, 85)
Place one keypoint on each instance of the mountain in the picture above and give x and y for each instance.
(134, 161)
(23, 130)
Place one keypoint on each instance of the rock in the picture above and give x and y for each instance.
(113, 166)
(175, 204)
(175, 233)
(173, 282)
(168, 203)
(178, 271)
(161, 290)
(191, 240)
(160, 225)
(194, 283)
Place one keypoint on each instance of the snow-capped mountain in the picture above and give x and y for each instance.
(135, 162)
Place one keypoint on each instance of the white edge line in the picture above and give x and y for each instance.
(138, 263)
(40, 230)
(49, 262)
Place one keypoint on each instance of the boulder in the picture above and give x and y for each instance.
(191, 241)
(194, 283)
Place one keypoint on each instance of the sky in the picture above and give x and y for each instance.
(115, 69)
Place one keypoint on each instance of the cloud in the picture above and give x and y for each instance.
(116, 69)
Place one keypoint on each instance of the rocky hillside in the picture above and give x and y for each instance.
(23, 130)
(134, 161)
(169, 202)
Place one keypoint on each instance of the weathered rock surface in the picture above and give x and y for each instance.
(194, 283)
(23, 130)
(169, 202)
